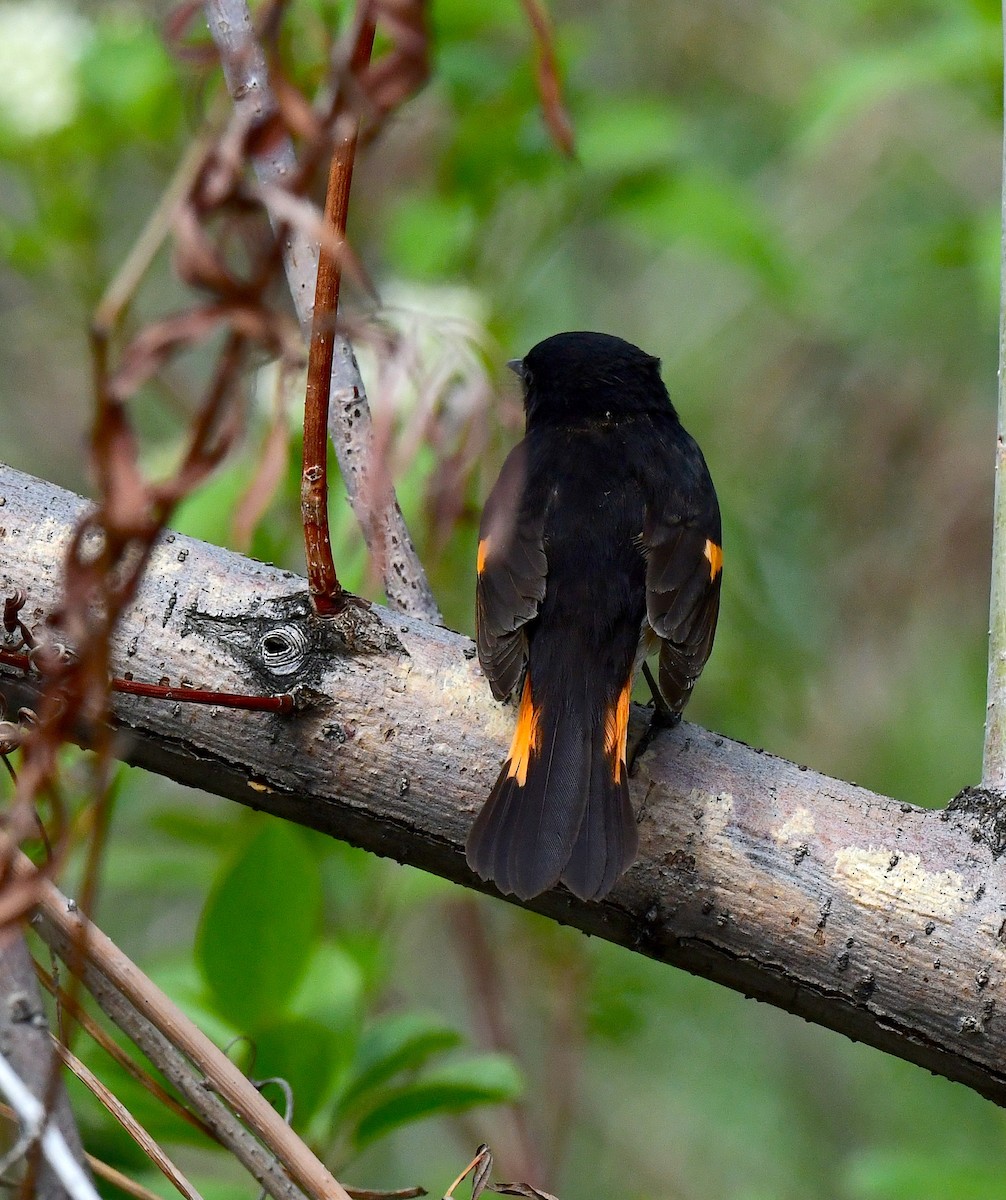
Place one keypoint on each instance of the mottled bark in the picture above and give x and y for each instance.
(881, 920)
(26, 1043)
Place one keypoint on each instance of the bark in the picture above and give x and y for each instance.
(26, 1043)
(879, 919)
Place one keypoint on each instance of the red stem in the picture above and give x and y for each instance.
(327, 594)
(282, 703)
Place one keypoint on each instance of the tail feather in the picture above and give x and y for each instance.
(608, 840)
(560, 808)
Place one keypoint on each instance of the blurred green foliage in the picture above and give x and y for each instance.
(796, 206)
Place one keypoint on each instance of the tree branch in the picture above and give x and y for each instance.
(875, 918)
(25, 1040)
(349, 424)
(202, 1073)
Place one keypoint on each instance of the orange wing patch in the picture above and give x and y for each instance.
(715, 555)
(480, 561)
(616, 729)
(526, 736)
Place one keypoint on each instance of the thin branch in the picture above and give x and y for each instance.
(547, 78)
(282, 702)
(127, 278)
(34, 1123)
(24, 1037)
(867, 915)
(994, 757)
(488, 1000)
(129, 1123)
(102, 1169)
(114, 1176)
(158, 1027)
(67, 1003)
(326, 593)
(350, 425)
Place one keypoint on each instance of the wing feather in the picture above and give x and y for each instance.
(511, 577)
(683, 577)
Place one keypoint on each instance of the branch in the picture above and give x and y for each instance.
(349, 424)
(24, 1036)
(176, 1046)
(875, 918)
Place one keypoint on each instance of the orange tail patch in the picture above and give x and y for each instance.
(526, 736)
(616, 730)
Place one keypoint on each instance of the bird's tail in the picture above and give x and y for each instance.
(560, 808)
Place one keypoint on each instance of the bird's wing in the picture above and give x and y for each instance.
(684, 560)
(511, 575)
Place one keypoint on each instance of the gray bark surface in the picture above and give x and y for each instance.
(881, 920)
(26, 1043)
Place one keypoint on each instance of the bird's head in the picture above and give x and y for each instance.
(580, 376)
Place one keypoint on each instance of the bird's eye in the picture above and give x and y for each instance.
(526, 377)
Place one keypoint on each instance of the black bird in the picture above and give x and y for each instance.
(599, 542)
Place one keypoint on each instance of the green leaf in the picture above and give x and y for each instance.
(628, 134)
(486, 1079)
(332, 988)
(129, 77)
(208, 512)
(259, 926)
(711, 213)
(393, 1045)
(883, 1175)
(429, 236)
(306, 1055)
(962, 49)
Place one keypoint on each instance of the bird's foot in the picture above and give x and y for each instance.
(662, 717)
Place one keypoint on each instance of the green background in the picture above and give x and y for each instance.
(795, 205)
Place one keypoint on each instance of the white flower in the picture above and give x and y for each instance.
(41, 44)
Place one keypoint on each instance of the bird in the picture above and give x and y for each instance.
(599, 544)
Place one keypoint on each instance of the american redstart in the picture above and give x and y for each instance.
(600, 543)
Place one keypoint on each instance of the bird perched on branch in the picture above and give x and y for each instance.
(599, 544)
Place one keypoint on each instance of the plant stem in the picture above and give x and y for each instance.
(326, 592)
(994, 757)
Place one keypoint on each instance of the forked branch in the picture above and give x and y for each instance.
(350, 426)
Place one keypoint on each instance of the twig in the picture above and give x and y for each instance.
(31, 1113)
(141, 1009)
(129, 1123)
(486, 987)
(114, 1176)
(994, 756)
(274, 160)
(409, 1193)
(350, 425)
(326, 593)
(547, 78)
(100, 1168)
(24, 1038)
(127, 278)
(116, 1052)
(281, 702)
